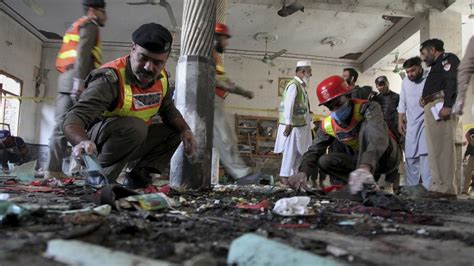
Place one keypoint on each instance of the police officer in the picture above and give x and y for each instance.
(80, 53)
(359, 125)
(438, 98)
(113, 115)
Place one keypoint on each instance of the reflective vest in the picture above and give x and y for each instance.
(300, 107)
(220, 74)
(135, 101)
(68, 52)
(349, 135)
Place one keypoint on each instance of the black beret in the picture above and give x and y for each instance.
(153, 37)
(94, 3)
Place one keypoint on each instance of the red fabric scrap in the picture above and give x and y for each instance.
(262, 205)
(153, 189)
(332, 188)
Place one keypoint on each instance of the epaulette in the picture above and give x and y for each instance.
(106, 73)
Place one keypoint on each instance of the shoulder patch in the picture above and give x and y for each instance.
(111, 75)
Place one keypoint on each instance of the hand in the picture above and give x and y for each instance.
(248, 94)
(77, 88)
(287, 131)
(422, 102)
(298, 182)
(445, 113)
(189, 142)
(402, 125)
(84, 147)
(459, 106)
(358, 178)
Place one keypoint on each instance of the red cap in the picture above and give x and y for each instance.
(222, 29)
(331, 88)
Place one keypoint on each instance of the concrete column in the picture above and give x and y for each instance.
(195, 82)
(446, 26)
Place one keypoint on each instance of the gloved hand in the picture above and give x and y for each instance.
(84, 147)
(358, 178)
(298, 182)
(77, 88)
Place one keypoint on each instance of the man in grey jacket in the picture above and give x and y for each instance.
(80, 53)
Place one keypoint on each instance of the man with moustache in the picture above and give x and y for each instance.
(411, 124)
(439, 93)
(80, 53)
(112, 119)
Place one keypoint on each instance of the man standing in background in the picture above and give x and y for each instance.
(364, 92)
(411, 124)
(80, 53)
(388, 100)
(294, 131)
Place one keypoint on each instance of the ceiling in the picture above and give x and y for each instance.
(358, 22)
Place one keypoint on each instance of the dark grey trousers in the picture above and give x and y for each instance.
(57, 141)
(124, 140)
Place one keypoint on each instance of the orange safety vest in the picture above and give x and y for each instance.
(135, 101)
(68, 52)
(220, 74)
(349, 135)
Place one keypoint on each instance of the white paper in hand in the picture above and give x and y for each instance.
(436, 109)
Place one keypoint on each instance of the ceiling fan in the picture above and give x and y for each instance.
(163, 3)
(34, 6)
(267, 58)
(399, 70)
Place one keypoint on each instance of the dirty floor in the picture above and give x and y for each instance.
(434, 232)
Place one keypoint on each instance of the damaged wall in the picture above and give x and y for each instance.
(20, 54)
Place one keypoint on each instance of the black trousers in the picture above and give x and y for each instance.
(128, 140)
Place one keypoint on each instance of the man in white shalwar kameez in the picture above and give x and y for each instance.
(412, 124)
(294, 130)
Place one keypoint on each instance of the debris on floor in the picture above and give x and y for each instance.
(193, 226)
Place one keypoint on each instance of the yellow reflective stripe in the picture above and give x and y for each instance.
(328, 126)
(71, 37)
(358, 115)
(67, 54)
(97, 53)
(127, 94)
(164, 83)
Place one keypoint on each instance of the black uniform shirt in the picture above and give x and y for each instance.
(443, 77)
(389, 104)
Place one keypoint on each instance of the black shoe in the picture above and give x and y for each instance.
(137, 179)
(252, 179)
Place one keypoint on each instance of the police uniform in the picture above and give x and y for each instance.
(117, 111)
(80, 53)
(366, 136)
(440, 87)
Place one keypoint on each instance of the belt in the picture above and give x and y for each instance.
(431, 98)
